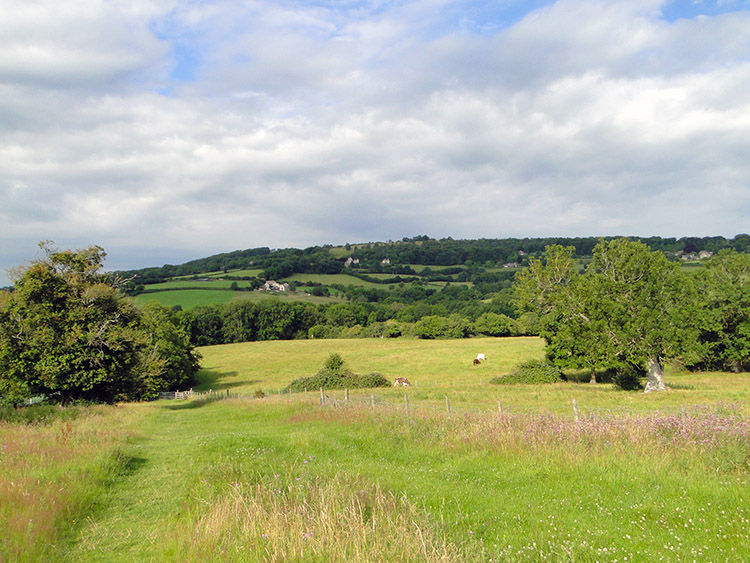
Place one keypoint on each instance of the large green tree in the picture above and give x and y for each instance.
(568, 322)
(646, 305)
(631, 306)
(724, 284)
(67, 334)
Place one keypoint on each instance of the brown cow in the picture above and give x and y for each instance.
(476, 361)
(401, 381)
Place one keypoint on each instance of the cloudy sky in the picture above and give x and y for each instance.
(165, 130)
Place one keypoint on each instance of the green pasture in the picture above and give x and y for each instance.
(190, 298)
(378, 276)
(330, 279)
(246, 273)
(186, 298)
(419, 267)
(195, 284)
(440, 368)
(202, 275)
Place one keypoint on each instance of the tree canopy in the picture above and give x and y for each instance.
(630, 307)
(68, 335)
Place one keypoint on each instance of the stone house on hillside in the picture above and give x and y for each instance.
(272, 285)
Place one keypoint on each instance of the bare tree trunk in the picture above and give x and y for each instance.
(655, 376)
(593, 376)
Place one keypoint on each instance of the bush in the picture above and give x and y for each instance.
(373, 379)
(335, 375)
(532, 372)
(38, 414)
(627, 378)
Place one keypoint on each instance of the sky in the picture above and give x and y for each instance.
(167, 130)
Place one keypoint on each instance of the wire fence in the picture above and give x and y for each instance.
(340, 398)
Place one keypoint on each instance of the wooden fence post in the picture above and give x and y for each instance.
(575, 410)
(346, 395)
(322, 397)
(406, 400)
(372, 399)
(499, 407)
(447, 404)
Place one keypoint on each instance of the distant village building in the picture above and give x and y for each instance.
(695, 256)
(385, 261)
(350, 261)
(511, 265)
(271, 285)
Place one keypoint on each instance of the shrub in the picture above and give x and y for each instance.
(374, 379)
(38, 414)
(532, 372)
(627, 378)
(335, 375)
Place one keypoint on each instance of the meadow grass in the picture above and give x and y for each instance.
(636, 477)
(191, 298)
(440, 368)
(329, 279)
(431, 364)
(186, 298)
(250, 273)
(288, 480)
(195, 284)
(53, 473)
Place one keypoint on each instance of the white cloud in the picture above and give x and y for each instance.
(180, 129)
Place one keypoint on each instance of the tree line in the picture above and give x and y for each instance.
(273, 319)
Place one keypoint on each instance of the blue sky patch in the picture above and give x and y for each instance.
(680, 9)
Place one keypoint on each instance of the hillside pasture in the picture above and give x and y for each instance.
(190, 298)
(195, 284)
(186, 298)
(245, 273)
(331, 279)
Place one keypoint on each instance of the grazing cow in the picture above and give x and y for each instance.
(481, 357)
(401, 381)
(476, 361)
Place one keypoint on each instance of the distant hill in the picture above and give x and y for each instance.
(399, 257)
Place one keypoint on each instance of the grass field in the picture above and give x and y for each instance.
(186, 298)
(190, 298)
(195, 284)
(657, 477)
(329, 279)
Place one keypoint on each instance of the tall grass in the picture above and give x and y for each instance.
(338, 519)
(52, 472)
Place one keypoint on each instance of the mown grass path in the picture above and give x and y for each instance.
(133, 514)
